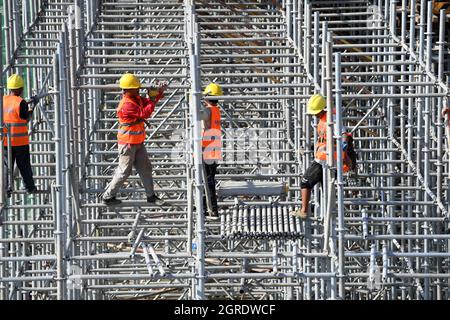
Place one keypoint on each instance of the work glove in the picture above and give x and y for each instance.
(162, 86)
(156, 92)
(153, 92)
(34, 99)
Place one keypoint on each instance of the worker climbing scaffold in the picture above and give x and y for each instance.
(211, 143)
(314, 174)
(17, 112)
(132, 111)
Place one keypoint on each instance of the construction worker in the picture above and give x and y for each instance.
(17, 113)
(132, 112)
(211, 141)
(316, 106)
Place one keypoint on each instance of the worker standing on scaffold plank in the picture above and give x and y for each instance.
(133, 110)
(314, 174)
(211, 142)
(17, 113)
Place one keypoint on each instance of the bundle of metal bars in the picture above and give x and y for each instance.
(260, 222)
(380, 234)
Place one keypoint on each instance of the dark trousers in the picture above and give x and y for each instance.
(21, 156)
(312, 176)
(210, 170)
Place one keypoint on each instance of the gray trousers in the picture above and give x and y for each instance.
(129, 156)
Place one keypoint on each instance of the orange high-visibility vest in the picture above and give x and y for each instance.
(321, 144)
(130, 132)
(18, 128)
(212, 137)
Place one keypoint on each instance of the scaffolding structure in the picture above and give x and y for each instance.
(382, 233)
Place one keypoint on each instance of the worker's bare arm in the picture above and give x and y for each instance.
(205, 114)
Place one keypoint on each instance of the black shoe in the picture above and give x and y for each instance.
(32, 190)
(155, 200)
(112, 201)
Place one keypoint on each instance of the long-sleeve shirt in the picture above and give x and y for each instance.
(129, 112)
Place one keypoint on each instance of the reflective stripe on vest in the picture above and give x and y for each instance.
(130, 132)
(15, 127)
(212, 137)
(126, 124)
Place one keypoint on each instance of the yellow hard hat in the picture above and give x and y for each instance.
(15, 82)
(213, 89)
(316, 104)
(129, 81)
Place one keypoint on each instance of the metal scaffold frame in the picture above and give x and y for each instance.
(379, 233)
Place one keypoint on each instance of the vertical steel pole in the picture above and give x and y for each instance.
(340, 182)
(73, 26)
(316, 51)
(426, 145)
(3, 250)
(419, 132)
(403, 165)
(59, 201)
(295, 23)
(324, 45)
(422, 28)
(329, 181)
(194, 59)
(6, 27)
(393, 18)
(15, 25)
(288, 11)
(412, 26)
(410, 126)
(403, 22)
(441, 103)
(307, 48)
(300, 18)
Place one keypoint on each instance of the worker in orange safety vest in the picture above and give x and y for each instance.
(132, 111)
(314, 174)
(17, 113)
(211, 141)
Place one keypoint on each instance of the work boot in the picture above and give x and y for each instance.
(32, 190)
(155, 200)
(112, 201)
(299, 213)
